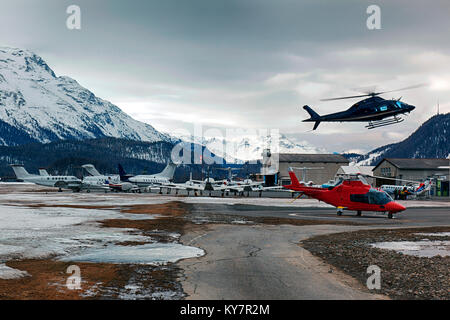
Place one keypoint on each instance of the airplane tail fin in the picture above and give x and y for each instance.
(314, 116)
(20, 171)
(91, 170)
(423, 186)
(122, 172)
(43, 172)
(168, 171)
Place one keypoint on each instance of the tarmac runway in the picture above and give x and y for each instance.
(266, 261)
(412, 217)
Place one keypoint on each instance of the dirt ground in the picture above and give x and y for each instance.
(402, 276)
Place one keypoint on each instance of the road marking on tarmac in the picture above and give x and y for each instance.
(307, 216)
(328, 217)
(197, 237)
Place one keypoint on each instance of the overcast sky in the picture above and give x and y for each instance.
(245, 63)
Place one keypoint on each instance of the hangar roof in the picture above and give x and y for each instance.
(306, 157)
(417, 164)
(355, 170)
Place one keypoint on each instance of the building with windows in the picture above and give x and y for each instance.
(319, 168)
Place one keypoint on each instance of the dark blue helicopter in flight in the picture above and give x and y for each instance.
(375, 110)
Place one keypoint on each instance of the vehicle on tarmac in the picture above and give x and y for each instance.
(353, 194)
(417, 189)
(44, 179)
(158, 179)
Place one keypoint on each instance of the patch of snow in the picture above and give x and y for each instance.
(152, 253)
(435, 234)
(423, 248)
(7, 273)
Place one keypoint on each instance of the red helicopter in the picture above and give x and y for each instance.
(349, 194)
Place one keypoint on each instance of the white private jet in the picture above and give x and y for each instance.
(158, 179)
(60, 182)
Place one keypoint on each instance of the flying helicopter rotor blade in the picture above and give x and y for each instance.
(373, 94)
(401, 89)
(349, 97)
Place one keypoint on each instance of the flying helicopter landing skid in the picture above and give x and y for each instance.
(384, 122)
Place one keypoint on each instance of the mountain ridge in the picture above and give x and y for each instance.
(38, 106)
(430, 140)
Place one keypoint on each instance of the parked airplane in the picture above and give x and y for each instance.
(164, 177)
(349, 194)
(124, 185)
(60, 182)
(97, 181)
(209, 184)
(419, 189)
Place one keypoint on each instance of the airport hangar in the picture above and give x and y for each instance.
(415, 170)
(319, 168)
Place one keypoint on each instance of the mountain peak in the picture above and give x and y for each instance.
(25, 64)
(37, 106)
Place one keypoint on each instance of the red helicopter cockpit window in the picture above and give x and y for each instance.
(372, 197)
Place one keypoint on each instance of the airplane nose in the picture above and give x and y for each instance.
(411, 108)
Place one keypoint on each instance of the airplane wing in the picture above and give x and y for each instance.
(183, 187)
(269, 188)
(227, 187)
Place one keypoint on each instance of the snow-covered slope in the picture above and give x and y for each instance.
(38, 106)
(430, 140)
(250, 147)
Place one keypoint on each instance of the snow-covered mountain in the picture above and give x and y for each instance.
(250, 147)
(38, 106)
(430, 140)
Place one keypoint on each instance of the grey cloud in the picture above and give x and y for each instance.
(243, 63)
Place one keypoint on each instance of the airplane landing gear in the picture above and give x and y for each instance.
(390, 215)
(59, 190)
(359, 213)
(339, 212)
